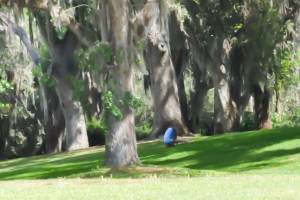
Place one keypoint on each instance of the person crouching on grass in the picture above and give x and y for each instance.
(170, 137)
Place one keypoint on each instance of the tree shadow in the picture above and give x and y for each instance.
(232, 153)
(59, 165)
(229, 153)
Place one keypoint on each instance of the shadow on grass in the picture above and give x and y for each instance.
(232, 153)
(52, 166)
(229, 153)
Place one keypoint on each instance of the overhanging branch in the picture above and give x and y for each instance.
(38, 4)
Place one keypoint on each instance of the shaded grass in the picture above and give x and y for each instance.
(276, 152)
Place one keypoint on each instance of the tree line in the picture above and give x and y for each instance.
(85, 55)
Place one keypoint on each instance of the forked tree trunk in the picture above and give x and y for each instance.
(164, 87)
(121, 148)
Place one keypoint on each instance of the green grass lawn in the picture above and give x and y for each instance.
(252, 165)
(231, 187)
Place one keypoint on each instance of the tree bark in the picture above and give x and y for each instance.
(179, 54)
(76, 133)
(38, 4)
(4, 130)
(121, 148)
(64, 66)
(55, 125)
(164, 87)
(225, 107)
(201, 87)
(262, 99)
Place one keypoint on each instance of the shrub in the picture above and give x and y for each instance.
(96, 129)
(290, 118)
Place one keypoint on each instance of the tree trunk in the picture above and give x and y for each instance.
(93, 94)
(121, 148)
(179, 54)
(164, 87)
(76, 133)
(55, 125)
(239, 91)
(225, 107)
(4, 130)
(262, 99)
(64, 67)
(37, 4)
(201, 88)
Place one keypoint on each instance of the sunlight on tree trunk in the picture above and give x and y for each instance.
(164, 87)
(121, 148)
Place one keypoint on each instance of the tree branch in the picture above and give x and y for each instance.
(39, 4)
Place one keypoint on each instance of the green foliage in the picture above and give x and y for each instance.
(114, 106)
(44, 78)
(263, 35)
(5, 86)
(287, 119)
(143, 130)
(78, 87)
(96, 129)
(95, 56)
(5, 89)
(95, 124)
(285, 69)
(248, 122)
(45, 58)
(110, 106)
(132, 101)
(4, 108)
(61, 32)
(40, 72)
(238, 27)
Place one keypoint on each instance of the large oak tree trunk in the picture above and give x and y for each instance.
(76, 133)
(63, 69)
(121, 148)
(164, 87)
(225, 110)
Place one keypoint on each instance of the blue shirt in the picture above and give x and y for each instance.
(170, 136)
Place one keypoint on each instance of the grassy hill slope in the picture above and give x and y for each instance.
(260, 152)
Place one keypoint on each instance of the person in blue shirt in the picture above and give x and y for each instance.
(170, 137)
